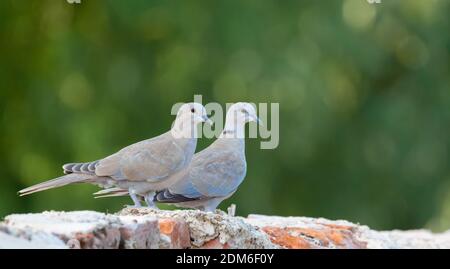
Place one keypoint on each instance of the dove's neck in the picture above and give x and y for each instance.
(184, 128)
(234, 127)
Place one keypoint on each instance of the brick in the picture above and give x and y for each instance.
(308, 233)
(79, 229)
(11, 240)
(139, 232)
(106, 238)
(304, 238)
(151, 228)
(174, 233)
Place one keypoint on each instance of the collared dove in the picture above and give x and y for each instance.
(215, 172)
(143, 167)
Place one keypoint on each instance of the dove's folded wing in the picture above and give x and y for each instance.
(219, 174)
(149, 160)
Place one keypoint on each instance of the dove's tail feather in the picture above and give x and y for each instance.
(86, 168)
(57, 182)
(165, 196)
(111, 195)
(111, 192)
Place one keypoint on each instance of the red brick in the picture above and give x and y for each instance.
(306, 238)
(139, 232)
(177, 231)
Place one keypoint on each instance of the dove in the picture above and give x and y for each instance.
(141, 168)
(216, 172)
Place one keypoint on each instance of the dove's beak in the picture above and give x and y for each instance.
(207, 120)
(258, 120)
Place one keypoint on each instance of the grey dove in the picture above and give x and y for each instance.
(141, 168)
(217, 171)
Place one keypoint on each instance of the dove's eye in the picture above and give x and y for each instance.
(244, 111)
(193, 110)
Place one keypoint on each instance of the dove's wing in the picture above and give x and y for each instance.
(212, 173)
(217, 174)
(150, 160)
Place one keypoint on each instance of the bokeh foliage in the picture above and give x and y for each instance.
(363, 90)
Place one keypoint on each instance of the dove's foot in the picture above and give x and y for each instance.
(149, 200)
(137, 202)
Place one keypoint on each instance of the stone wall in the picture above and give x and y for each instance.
(136, 228)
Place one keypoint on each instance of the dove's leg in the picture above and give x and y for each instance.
(149, 200)
(209, 208)
(135, 199)
(211, 205)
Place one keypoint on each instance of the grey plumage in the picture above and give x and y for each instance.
(111, 192)
(214, 175)
(88, 168)
(169, 197)
(59, 182)
(140, 168)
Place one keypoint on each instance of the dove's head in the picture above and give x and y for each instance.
(193, 112)
(188, 117)
(242, 113)
(237, 116)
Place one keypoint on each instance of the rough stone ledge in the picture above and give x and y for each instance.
(149, 228)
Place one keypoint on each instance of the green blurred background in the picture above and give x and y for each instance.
(363, 90)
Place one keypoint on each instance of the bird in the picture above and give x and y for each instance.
(141, 168)
(216, 172)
